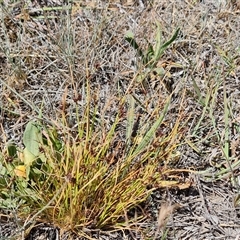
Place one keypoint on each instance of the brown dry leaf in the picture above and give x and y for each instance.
(164, 184)
(165, 211)
(129, 2)
(238, 4)
(234, 146)
(185, 185)
(234, 3)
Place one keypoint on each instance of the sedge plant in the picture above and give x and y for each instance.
(86, 179)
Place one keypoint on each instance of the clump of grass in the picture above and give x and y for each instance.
(86, 178)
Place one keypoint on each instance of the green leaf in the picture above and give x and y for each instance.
(28, 157)
(12, 150)
(53, 137)
(150, 134)
(129, 37)
(3, 171)
(129, 34)
(202, 100)
(148, 56)
(157, 52)
(159, 49)
(130, 117)
(32, 138)
(160, 71)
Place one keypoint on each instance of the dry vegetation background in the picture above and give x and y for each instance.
(49, 55)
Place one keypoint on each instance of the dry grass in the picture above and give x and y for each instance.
(103, 134)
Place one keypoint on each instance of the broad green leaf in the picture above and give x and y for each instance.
(3, 170)
(28, 157)
(12, 150)
(32, 138)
